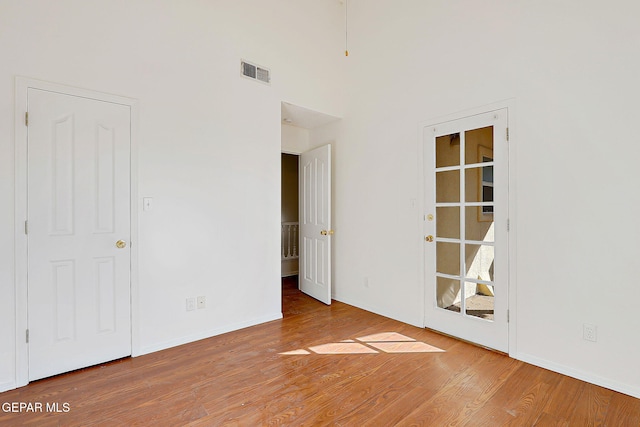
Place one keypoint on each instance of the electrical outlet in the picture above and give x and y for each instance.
(191, 304)
(589, 332)
(202, 302)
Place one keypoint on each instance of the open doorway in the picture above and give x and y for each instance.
(289, 229)
(306, 237)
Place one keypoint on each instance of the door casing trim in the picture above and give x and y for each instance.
(22, 84)
(510, 106)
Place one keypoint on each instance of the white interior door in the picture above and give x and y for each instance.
(466, 225)
(315, 223)
(78, 232)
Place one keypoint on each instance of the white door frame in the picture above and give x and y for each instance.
(22, 85)
(510, 105)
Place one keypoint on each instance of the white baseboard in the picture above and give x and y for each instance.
(206, 334)
(628, 389)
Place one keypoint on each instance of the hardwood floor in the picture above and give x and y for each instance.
(336, 373)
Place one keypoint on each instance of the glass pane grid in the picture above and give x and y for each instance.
(464, 223)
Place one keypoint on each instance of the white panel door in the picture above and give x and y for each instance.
(466, 225)
(78, 210)
(315, 223)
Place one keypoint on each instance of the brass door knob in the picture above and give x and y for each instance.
(429, 238)
(325, 232)
(121, 244)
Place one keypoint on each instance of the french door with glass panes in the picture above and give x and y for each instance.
(466, 225)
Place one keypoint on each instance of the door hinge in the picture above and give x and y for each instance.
(507, 316)
(26, 118)
(27, 336)
(26, 227)
(507, 134)
(508, 225)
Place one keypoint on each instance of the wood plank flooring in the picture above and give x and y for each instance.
(335, 373)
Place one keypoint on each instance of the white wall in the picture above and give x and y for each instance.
(572, 72)
(210, 145)
(209, 140)
(295, 140)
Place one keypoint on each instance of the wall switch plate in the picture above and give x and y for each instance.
(147, 203)
(191, 304)
(589, 332)
(202, 302)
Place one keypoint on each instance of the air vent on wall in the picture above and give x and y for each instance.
(255, 72)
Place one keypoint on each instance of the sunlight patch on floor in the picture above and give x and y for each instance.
(385, 342)
(405, 347)
(295, 352)
(386, 336)
(342, 348)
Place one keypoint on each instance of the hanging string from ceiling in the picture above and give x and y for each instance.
(346, 27)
